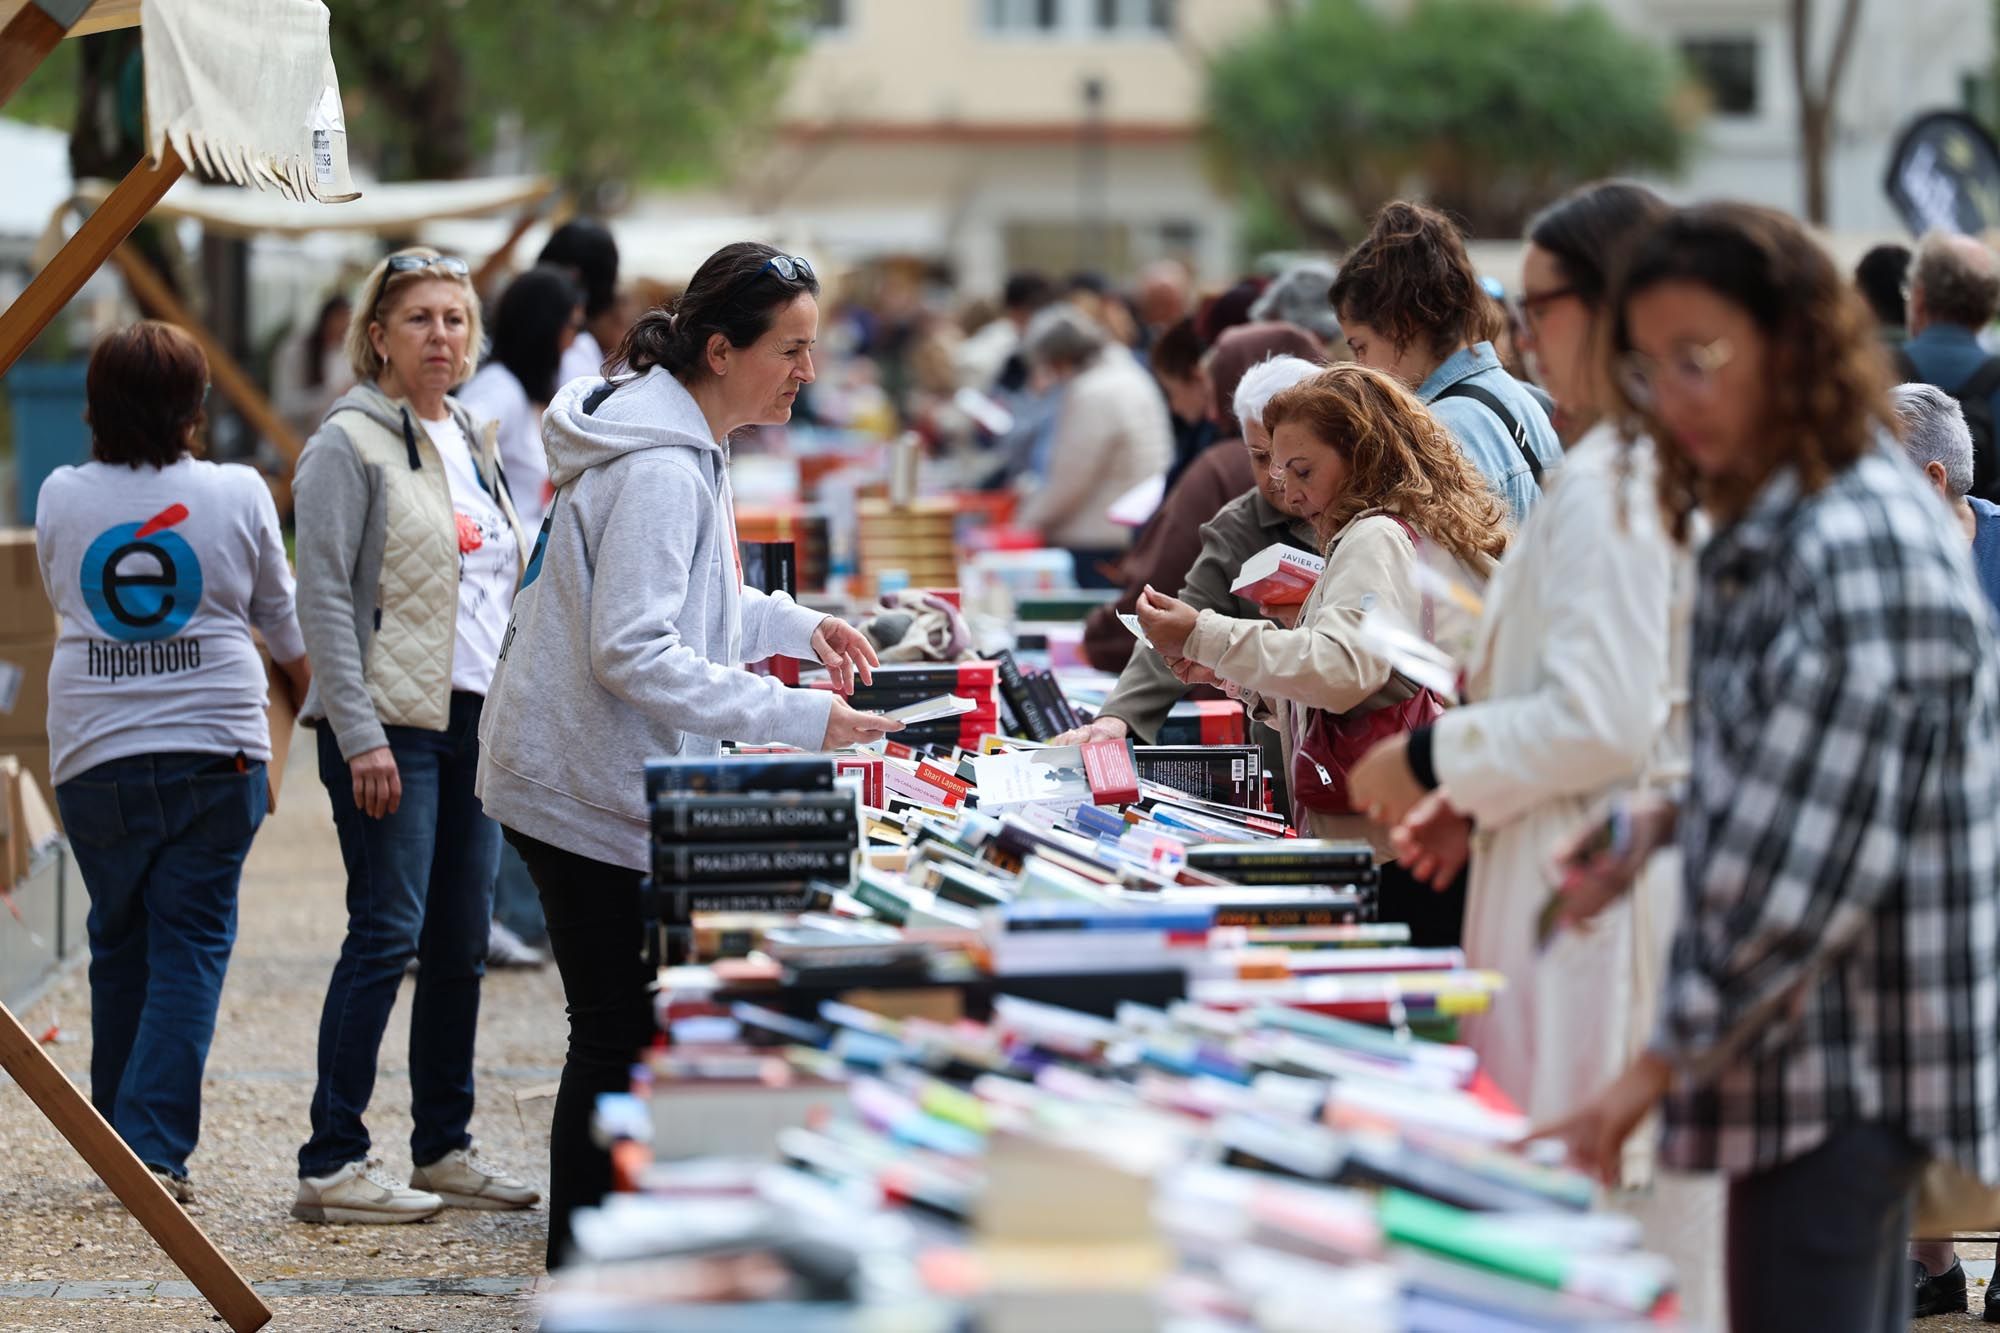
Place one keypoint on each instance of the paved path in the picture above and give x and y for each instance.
(72, 1258)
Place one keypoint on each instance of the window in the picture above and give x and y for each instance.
(828, 18)
(1080, 18)
(1727, 67)
(1023, 15)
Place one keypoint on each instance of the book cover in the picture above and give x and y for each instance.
(1230, 775)
(809, 816)
(1278, 575)
(735, 774)
(866, 767)
(1021, 701)
(1108, 767)
(1053, 777)
(1286, 853)
(1056, 707)
(766, 862)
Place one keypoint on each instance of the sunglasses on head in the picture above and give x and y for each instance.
(458, 268)
(792, 268)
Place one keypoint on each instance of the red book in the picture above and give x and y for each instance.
(869, 767)
(1278, 575)
(958, 788)
(1113, 777)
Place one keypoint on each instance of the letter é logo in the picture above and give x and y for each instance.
(141, 581)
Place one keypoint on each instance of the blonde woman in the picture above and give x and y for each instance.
(1376, 475)
(409, 550)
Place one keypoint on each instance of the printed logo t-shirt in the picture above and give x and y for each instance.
(157, 575)
(488, 562)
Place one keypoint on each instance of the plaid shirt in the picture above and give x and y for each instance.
(1838, 959)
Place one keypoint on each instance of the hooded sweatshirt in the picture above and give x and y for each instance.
(632, 626)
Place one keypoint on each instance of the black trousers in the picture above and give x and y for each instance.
(1819, 1244)
(1436, 917)
(597, 933)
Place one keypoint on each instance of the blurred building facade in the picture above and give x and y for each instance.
(1000, 134)
(1909, 57)
(1065, 135)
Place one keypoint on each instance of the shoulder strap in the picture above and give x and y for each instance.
(1486, 399)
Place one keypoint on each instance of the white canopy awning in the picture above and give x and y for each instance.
(382, 208)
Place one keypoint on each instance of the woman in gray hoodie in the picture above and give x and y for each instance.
(630, 632)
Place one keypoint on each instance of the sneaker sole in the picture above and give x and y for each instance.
(483, 1203)
(313, 1212)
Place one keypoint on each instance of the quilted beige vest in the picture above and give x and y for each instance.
(416, 602)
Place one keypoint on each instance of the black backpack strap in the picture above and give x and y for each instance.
(1466, 389)
(1984, 381)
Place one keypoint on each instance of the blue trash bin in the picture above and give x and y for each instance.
(47, 399)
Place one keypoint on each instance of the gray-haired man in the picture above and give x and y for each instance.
(1936, 439)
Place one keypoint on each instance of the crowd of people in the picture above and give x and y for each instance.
(1718, 791)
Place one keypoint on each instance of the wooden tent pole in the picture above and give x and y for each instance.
(159, 301)
(101, 233)
(36, 29)
(99, 1146)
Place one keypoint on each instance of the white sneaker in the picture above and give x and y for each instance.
(465, 1180)
(506, 949)
(362, 1193)
(180, 1187)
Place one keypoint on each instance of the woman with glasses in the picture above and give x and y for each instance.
(628, 642)
(408, 552)
(1567, 691)
(1828, 1023)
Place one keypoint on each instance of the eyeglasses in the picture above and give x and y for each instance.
(1691, 367)
(1530, 304)
(792, 268)
(458, 268)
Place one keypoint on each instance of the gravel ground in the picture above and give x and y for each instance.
(58, 1224)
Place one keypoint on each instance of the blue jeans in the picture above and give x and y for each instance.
(160, 840)
(419, 884)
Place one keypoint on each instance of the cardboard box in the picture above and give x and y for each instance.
(25, 612)
(27, 819)
(283, 714)
(24, 689)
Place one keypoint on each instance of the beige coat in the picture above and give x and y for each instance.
(1322, 663)
(1111, 433)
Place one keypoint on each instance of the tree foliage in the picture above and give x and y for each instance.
(605, 91)
(1486, 108)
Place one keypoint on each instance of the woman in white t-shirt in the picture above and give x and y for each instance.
(409, 552)
(537, 319)
(159, 566)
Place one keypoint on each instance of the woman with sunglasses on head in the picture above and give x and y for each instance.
(408, 552)
(628, 641)
(1567, 690)
(1827, 1023)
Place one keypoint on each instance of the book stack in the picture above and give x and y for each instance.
(916, 539)
(1037, 709)
(751, 833)
(899, 685)
(804, 529)
(1153, 1166)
